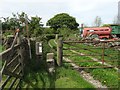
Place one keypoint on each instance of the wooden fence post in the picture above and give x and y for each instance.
(59, 51)
(21, 54)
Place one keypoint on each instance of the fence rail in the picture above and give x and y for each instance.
(102, 54)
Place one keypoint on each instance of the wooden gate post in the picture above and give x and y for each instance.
(21, 58)
(59, 51)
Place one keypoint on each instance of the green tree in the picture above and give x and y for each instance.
(28, 26)
(5, 24)
(65, 32)
(48, 30)
(62, 20)
(35, 26)
(14, 22)
(106, 25)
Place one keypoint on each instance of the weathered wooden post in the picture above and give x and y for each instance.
(59, 51)
(21, 58)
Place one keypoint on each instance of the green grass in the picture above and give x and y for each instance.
(38, 79)
(108, 77)
(68, 78)
(64, 77)
(110, 54)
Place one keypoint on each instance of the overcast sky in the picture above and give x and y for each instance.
(84, 11)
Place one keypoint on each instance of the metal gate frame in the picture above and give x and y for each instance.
(60, 53)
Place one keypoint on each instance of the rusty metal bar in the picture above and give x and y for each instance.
(88, 48)
(90, 61)
(89, 41)
(103, 53)
(93, 67)
(99, 54)
(79, 48)
(81, 55)
(111, 54)
(80, 61)
(112, 61)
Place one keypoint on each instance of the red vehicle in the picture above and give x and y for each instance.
(100, 32)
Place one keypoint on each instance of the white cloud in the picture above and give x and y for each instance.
(83, 10)
(86, 5)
